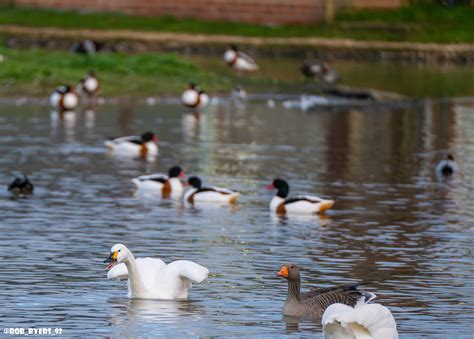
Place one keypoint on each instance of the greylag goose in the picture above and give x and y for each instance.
(312, 304)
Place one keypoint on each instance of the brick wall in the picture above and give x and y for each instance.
(252, 11)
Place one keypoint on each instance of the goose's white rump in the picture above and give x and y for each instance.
(150, 278)
(360, 322)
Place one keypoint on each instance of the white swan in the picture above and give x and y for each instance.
(363, 321)
(150, 278)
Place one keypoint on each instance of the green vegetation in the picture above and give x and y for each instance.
(421, 23)
(38, 72)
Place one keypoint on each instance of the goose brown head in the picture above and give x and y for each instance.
(290, 272)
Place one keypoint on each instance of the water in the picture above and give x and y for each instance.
(394, 225)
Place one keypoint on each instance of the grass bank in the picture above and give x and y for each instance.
(38, 72)
(418, 23)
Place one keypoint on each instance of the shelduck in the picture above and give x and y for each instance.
(21, 185)
(151, 278)
(321, 70)
(143, 146)
(194, 97)
(281, 204)
(89, 85)
(64, 98)
(166, 185)
(208, 194)
(447, 167)
(239, 61)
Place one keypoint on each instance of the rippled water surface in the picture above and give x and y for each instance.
(393, 225)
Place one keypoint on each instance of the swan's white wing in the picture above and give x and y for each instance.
(149, 268)
(190, 270)
(365, 321)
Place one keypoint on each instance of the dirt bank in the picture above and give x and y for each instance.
(133, 41)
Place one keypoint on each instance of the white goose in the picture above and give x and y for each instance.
(447, 167)
(166, 185)
(64, 98)
(209, 194)
(363, 321)
(150, 278)
(239, 61)
(299, 204)
(89, 85)
(193, 97)
(143, 146)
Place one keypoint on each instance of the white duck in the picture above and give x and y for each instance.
(64, 98)
(166, 185)
(299, 204)
(363, 321)
(239, 61)
(89, 85)
(447, 167)
(150, 278)
(209, 194)
(193, 97)
(144, 145)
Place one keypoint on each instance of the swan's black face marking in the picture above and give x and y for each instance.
(111, 260)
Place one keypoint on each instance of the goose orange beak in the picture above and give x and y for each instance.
(283, 272)
(325, 205)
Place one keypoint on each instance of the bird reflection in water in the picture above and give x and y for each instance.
(126, 313)
(192, 124)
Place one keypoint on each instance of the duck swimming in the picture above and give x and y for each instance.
(208, 194)
(21, 185)
(143, 146)
(166, 185)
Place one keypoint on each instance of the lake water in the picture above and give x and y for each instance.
(394, 225)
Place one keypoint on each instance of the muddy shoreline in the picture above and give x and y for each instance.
(191, 44)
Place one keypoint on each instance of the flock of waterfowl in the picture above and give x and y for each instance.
(344, 310)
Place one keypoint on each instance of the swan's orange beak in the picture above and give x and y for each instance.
(111, 260)
(325, 205)
(283, 272)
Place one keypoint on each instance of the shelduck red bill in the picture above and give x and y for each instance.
(155, 139)
(182, 175)
(111, 260)
(270, 187)
(283, 272)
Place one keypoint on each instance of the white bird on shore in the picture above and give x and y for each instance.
(64, 98)
(195, 98)
(239, 61)
(89, 85)
(151, 278)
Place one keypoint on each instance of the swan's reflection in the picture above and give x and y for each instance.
(132, 311)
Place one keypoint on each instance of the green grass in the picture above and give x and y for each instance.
(418, 23)
(38, 72)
